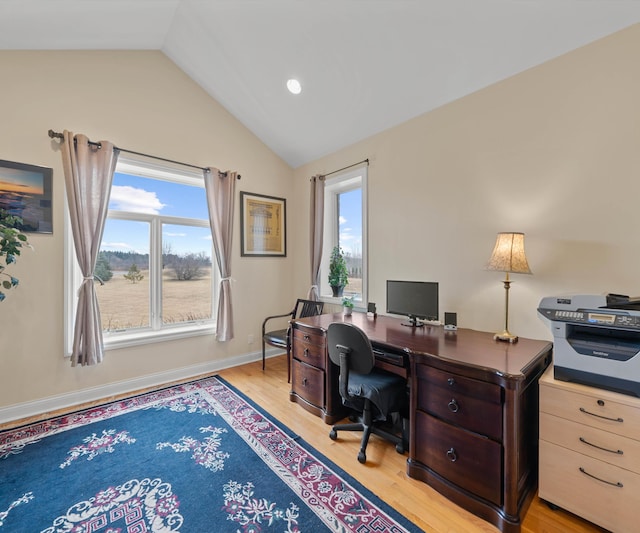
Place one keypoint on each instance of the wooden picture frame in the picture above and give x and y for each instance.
(25, 192)
(263, 225)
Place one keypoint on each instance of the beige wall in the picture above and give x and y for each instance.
(139, 101)
(553, 152)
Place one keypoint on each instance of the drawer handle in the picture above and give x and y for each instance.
(306, 352)
(617, 484)
(306, 337)
(619, 452)
(583, 410)
(453, 406)
(451, 381)
(452, 455)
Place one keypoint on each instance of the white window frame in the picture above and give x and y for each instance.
(340, 183)
(156, 332)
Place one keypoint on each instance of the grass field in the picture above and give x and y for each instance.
(125, 305)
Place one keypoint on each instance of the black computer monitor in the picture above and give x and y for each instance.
(414, 299)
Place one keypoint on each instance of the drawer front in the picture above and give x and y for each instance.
(605, 446)
(488, 392)
(311, 354)
(308, 383)
(592, 410)
(461, 401)
(310, 337)
(563, 483)
(470, 461)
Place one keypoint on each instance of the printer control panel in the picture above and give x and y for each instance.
(593, 317)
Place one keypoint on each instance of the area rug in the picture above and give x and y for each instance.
(194, 458)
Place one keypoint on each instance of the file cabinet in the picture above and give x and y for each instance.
(590, 452)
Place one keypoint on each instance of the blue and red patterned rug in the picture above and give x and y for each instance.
(194, 458)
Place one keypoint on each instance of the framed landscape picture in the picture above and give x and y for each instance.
(25, 192)
(263, 225)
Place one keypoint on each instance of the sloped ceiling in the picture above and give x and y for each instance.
(365, 65)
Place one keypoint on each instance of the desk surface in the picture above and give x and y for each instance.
(466, 346)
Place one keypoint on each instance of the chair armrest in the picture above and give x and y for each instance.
(264, 323)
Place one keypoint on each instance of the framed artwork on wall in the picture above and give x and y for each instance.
(25, 192)
(263, 225)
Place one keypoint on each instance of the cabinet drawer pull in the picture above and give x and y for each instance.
(306, 337)
(616, 484)
(583, 410)
(451, 381)
(452, 455)
(585, 441)
(453, 406)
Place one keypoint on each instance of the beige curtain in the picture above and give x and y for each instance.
(220, 189)
(88, 174)
(316, 234)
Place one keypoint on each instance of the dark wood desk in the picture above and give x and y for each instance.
(474, 407)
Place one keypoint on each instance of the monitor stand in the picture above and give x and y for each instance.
(413, 322)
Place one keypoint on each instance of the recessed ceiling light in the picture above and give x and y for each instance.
(294, 86)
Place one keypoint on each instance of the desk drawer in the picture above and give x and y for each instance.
(592, 409)
(603, 445)
(311, 354)
(308, 383)
(309, 337)
(474, 405)
(488, 392)
(601, 500)
(466, 459)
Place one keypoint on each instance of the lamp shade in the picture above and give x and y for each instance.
(508, 254)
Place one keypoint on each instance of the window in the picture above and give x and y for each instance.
(154, 276)
(345, 224)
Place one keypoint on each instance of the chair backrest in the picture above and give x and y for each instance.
(360, 355)
(305, 308)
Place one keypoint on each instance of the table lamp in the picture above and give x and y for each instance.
(508, 256)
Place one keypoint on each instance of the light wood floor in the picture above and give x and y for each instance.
(384, 473)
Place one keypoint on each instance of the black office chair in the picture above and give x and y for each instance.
(374, 393)
(280, 337)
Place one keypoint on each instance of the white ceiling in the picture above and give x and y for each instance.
(365, 65)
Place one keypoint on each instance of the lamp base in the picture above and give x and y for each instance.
(506, 337)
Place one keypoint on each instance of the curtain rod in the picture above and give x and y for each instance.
(56, 135)
(348, 166)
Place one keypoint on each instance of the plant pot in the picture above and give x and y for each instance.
(337, 290)
(347, 311)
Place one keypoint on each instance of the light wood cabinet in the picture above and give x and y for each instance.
(590, 452)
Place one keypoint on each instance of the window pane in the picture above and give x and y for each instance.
(137, 194)
(123, 267)
(350, 238)
(186, 273)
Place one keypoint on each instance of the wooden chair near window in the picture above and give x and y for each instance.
(280, 338)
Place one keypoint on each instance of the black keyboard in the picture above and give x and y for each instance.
(389, 357)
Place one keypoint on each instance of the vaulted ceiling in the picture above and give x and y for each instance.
(364, 65)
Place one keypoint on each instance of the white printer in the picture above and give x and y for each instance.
(596, 340)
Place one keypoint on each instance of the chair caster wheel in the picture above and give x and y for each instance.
(333, 434)
(400, 448)
(362, 458)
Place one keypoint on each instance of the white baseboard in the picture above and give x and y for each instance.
(63, 401)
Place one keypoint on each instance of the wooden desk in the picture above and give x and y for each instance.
(474, 407)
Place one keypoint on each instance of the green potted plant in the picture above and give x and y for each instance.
(347, 305)
(11, 240)
(338, 275)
